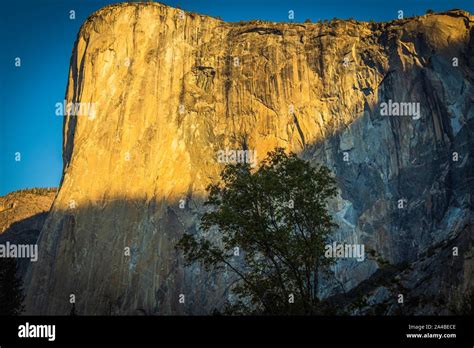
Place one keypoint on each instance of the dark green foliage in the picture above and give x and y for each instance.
(11, 294)
(278, 219)
(429, 11)
(38, 190)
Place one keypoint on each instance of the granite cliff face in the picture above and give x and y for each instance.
(170, 89)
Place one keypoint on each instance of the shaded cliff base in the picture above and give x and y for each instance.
(435, 283)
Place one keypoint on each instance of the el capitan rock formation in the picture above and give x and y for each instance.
(172, 88)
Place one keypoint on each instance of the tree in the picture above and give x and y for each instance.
(429, 11)
(270, 228)
(11, 293)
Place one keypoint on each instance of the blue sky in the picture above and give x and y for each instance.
(42, 35)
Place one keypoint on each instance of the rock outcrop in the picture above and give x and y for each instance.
(18, 207)
(22, 215)
(171, 89)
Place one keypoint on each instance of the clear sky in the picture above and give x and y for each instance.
(42, 35)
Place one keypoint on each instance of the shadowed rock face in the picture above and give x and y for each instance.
(170, 89)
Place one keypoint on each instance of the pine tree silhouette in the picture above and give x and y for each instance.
(11, 292)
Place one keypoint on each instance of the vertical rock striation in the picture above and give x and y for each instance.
(170, 89)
